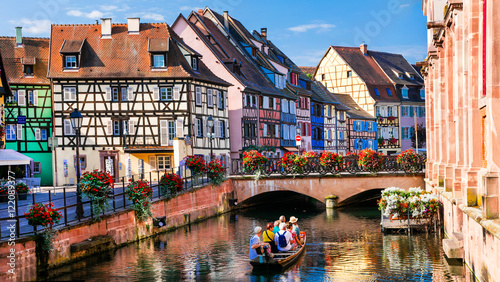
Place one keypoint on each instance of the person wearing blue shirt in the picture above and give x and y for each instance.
(255, 243)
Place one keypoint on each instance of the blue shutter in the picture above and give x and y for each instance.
(282, 133)
(354, 125)
(375, 145)
(363, 126)
(365, 144)
(374, 126)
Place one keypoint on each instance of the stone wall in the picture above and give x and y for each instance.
(84, 239)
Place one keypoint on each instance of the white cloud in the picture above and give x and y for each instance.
(92, 15)
(404, 5)
(189, 8)
(320, 27)
(108, 8)
(153, 16)
(33, 26)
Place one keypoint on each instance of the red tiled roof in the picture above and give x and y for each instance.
(308, 70)
(34, 49)
(124, 55)
(369, 72)
(4, 84)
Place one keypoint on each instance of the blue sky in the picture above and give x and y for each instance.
(301, 29)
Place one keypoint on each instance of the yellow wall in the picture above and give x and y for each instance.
(335, 70)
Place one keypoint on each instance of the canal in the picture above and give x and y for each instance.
(343, 245)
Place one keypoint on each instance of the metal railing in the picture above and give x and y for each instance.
(13, 223)
(349, 166)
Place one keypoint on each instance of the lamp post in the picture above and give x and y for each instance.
(76, 122)
(210, 123)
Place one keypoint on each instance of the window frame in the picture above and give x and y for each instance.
(163, 159)
(377, 93)
(169, 94)
(13, 132)
(70, 64)
(30, 67)
(349, 73)
(72, 94)
(163, 60)
(116, 128)
(194, 63)
(404, 92)
(35, 170)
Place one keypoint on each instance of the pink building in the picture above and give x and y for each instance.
(462, 84)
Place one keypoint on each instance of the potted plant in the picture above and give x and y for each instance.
(22, 190)
(97, 185)
(170, 184)
(215, 172)
(140, 193)
(381, 142)
(292, 163)
(397, 203)
(196, 164)
(393, 141)
(330, 160)
(4, 193)
(409, 160)
(46, 216)
(391, 118)
(253, 162)
(370, 160)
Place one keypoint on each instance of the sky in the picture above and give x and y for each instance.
(303, 30)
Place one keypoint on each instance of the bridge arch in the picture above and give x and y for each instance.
(344, 186)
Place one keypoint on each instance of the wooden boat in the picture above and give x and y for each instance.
(280, 261)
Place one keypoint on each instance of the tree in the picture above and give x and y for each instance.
(421, 134)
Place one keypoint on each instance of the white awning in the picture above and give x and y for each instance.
(11, 157)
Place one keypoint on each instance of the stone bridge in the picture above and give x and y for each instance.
(343, 186)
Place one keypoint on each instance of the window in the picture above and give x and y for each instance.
(12, 100)
(115, 96)
(28, 70)
(198, 95)
(194, 63)
(30, 97)
(164, 162)
(349, 73)
(369, 126)
(68, 129)
(389, 92)
(171, 130)
(389, 112)
(401, 76)
(222, 128)
(70, 62)
(11, 132)
(359, 144)
(323, 77)
(210, 98)
(69, 93)
(116, 127)
(376, 91)
(124, 93)
(422, 93)
(341, 116)
(38, 134)
(199, 128)
(404, 92)
(166, 94)
(44, 134)
(37, 167)
(412, 76)
(159, 61)
(220, 100)
(405, 133)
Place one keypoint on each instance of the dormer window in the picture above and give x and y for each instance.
(194, 63)
(404, 92)
(28, 63)
(70, 62)
(254, 52)
(159, 61)
(28, 70)
(349, 73)
(422, 93)
(71, 52)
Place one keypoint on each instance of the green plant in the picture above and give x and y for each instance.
(253, 162)
(140, 193)
(294, 163)
(97, 185)
(370, 160)
(330, 160)
(216, 172)
(22, 187)
(409, 160)
(170, 184)
(415, 203)
(196, 164)
(44, 215)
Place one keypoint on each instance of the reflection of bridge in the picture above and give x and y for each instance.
(343, 186)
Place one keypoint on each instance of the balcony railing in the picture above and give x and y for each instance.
(387, 121)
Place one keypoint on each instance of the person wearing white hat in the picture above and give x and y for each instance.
(255, 244)
(293, 220)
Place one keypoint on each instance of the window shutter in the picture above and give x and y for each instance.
(152, 162)
(363, 126)
(164, 133)
(196, 127)
(276, 131)
(19, 132)
(265, 130)
(131, 127)
(283, 131)
(210, 98)
(395, 111)
(396, 132)
(177, 93)
(109, 130)
(217, 93)
(374, 127)
(179, 128)
(130, 94)
(266, 103)
(198, 95)
(35, 98)
(245, 104)
(216, 128)
(108, 94)
(156, 94)
(21, 98)
(275, 104)
(355, 125)
(38, 135)
(204, 129)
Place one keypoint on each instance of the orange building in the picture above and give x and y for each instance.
(462, 82)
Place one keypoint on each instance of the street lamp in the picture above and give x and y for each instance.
(76, 119)
(210, 123)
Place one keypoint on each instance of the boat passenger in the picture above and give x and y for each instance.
(295, 239)
(293, 220)
(276, 226)
(283, 219)
(285, 237)
(255, 244)
(268, 237)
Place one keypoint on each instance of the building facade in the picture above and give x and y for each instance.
(462, 124)
(145, 96)
(28, 112)
(5, 92)
(353, 71)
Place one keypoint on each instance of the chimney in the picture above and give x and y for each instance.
(364, 49)
(106, 28)
(133, 25)
(263, 32)
(19, 36)
(226, 20)
(200, 12)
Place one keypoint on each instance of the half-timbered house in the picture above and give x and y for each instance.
(145, 95)
(28, 112)
(361, 126)
(5, 92)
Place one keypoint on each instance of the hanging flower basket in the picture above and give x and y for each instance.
(140, 193)
(331, 160)
(370, 160)
(170, 184)
(44, 215)
(410, 161)
(97, 185)
(196, 164)
(294, 164)
(216, 172)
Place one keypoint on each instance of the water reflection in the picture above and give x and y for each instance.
(342, 246)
